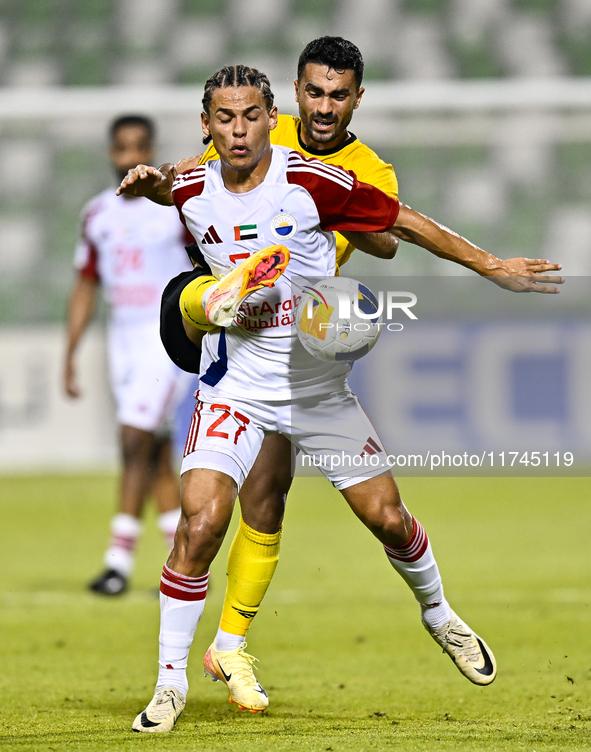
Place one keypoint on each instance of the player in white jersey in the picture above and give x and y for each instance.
(232, 209)
(131, 247)
(307, 195)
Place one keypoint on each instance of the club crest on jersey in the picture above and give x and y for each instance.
(284, 226)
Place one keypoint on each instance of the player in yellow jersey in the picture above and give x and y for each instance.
(328, 90)
(348, 152)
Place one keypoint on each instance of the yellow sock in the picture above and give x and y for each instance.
(191, 302)
(252, 561)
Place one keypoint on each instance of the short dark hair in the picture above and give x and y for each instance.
(236, 75)
(335, 52)
(124, 120)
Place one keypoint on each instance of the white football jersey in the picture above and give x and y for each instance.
(298, 205)
(133, 247)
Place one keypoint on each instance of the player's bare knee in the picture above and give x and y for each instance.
(206, 527)
(198, 538)
(135, 444)
(387, 518)
(266, 516)
(273, 509)
(204, 534)
(395, 527)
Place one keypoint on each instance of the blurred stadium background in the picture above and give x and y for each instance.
(483, 107)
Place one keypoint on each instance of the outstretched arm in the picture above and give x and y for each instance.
(155, 183)
(379, 244)
(516, 274)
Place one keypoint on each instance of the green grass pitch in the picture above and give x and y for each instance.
(342, 652)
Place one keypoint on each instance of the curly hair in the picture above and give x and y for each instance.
(236, 75)
(335, 52)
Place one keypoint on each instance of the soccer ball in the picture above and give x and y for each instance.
(334, 319)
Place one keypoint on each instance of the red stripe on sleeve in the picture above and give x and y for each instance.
(187, 237)
(188, 185)
(90, 268)
(343, 202)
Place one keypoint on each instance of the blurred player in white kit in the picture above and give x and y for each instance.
(131, 248)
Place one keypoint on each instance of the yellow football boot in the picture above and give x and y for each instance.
(235, 669)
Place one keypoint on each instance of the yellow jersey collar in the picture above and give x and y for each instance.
(323, 152)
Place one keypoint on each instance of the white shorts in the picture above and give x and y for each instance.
(146, 384)
(333, 431)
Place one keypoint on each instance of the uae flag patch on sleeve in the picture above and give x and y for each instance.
(245, 232)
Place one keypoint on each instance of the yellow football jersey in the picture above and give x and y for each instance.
(351, 154)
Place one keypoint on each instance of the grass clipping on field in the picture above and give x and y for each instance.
(343, 655)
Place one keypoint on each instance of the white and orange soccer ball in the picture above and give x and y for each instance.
(338, 319)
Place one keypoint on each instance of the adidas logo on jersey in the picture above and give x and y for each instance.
(211, 237)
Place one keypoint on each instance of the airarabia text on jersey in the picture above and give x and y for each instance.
(281, 314)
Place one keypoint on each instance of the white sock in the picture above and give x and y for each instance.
(436, 615)
(416, 564)
(227, 640)
(125, 531)
(182, 600)
(168, 523)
